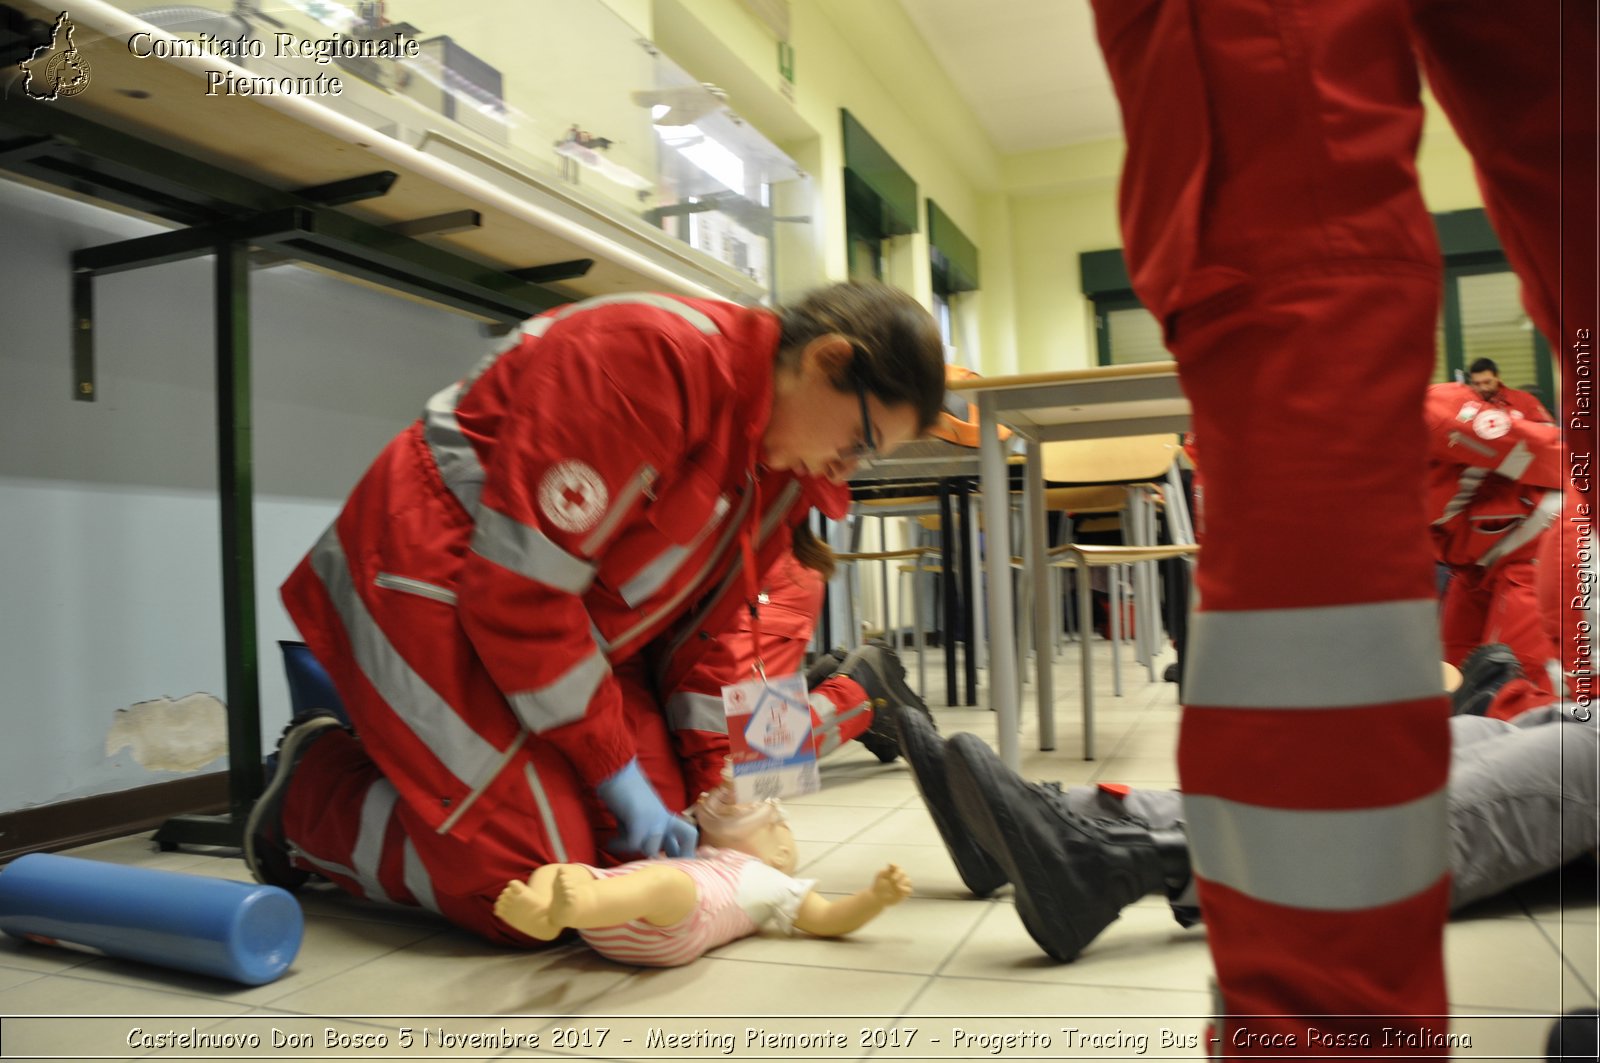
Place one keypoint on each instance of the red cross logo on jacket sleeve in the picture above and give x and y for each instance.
(573, 496)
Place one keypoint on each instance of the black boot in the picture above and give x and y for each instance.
(825, 666)
(1483, 673)
(879, 672)
(1072, 875)
(925, 753)
(266, 850)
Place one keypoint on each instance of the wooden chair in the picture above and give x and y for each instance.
(1135, 464)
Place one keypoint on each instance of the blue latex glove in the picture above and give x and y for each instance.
(647, 827)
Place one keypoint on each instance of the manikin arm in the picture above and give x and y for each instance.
(825, 918)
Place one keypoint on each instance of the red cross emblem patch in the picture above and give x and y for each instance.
(573, 496)
(1491, 424)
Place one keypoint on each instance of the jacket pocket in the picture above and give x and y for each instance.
(687, 505)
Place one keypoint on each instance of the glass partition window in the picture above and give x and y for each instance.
(559, 99)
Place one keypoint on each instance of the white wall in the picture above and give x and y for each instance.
(110, 575)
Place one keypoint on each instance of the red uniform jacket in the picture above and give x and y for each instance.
(572, 500)
(1494, 477)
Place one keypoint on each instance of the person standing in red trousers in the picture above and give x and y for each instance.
(1273, 224)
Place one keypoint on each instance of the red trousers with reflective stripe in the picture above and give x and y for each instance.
(1501, 604)
(322, 816)
(1273, 224)
(327, 800)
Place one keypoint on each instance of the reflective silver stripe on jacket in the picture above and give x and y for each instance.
(688, 711)
(1466, 491)
(1326, 657)
(1461, 439)
(729, 532)
(661, 302)
(528, 552)
(636, 488)
(564, 700)
(471, 799)
(547, 814)
(367, 855)
(780, 509)
(1543, 515)
(829, 718)
(1515, 463)
(1336, 861)
(465, 754)
(599, 640)
(655, 575)
(418, 882)
(453, 455)
(421, 588)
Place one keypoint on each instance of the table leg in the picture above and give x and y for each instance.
(1034, 572)
(947, 579)
(997, 519)
(972, 642)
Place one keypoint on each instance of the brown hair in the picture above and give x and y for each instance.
(899, 354)
(812, 552)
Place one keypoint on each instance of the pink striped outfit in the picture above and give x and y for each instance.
(738, 896)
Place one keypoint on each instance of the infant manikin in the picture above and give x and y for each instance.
(663, 913)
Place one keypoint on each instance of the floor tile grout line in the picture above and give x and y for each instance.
(1555, 943)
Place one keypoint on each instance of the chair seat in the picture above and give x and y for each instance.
(1096, 556)
(888, 555)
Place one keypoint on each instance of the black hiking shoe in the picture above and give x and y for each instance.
(1072, 875)
(1483, 673)
(879, 672)
(824, 667)
(925, 753)
(266, 851)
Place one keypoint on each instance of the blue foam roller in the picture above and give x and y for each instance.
(237, 930)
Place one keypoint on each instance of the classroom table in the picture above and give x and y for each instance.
(1122, 400)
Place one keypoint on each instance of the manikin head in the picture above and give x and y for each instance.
(860, 370)
(1484, 376)
(760, 829)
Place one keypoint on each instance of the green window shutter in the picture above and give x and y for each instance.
(1103, 275)
(955, 258)
(876, 189)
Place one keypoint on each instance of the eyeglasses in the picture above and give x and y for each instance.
(865, 451)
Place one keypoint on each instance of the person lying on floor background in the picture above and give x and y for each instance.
(1522, 802)
(666, 913)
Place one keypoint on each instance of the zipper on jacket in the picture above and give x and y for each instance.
(407, 585)
(636, 488)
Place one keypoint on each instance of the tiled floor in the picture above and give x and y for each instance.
(956, 970)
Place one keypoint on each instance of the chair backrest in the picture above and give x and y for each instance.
(1097, 499)
(1113, 460)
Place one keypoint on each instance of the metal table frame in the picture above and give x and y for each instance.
(948, 471)
(1043, 408)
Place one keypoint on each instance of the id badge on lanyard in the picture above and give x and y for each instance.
(769, 736)
(771, 748)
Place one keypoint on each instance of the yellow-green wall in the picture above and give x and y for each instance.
(868, 58)
(1063, 203)
(1031, 215)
